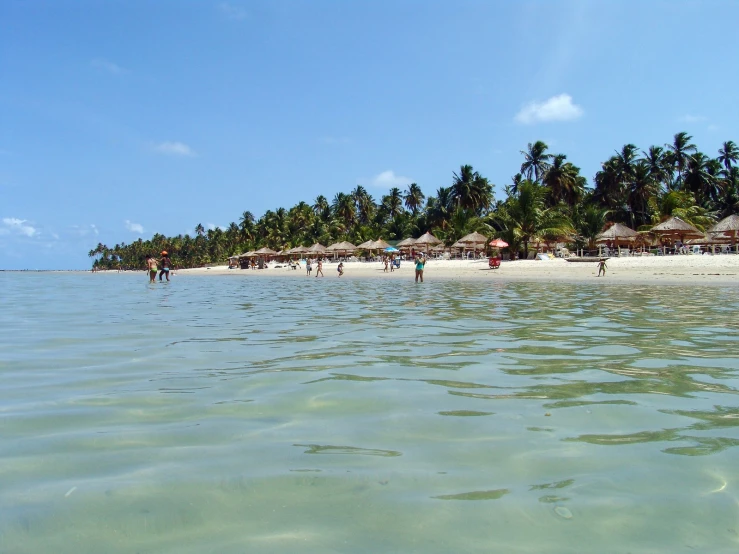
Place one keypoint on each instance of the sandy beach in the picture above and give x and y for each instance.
(669, 270)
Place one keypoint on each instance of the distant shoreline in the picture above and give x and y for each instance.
(689, 270)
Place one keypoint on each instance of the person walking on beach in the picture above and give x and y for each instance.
(166, 264)
(308, 267)
(340, 269)
(602, 267)
(151, 265)
(420, 263)
(384, 259)
(319, 268)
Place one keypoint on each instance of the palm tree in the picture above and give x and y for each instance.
(471, 191)
(365, 204)
(641, 189)
(699, 180)
(679, 151)
(199, 230)
(393, 202)
(321, 207)
(536, 161)
(526, 215)
(414, 198)
(343, 210)
(564, 182)
(658, 165)
(728, 154)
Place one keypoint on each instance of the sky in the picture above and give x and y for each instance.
(121, 119)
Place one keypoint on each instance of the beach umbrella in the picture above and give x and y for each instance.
(676, 227)
(379, 244)
(427, 240)
(366, 245)
(498, 243)
(728, 227)
(615, 232)
(391, 249)
(473, 239)
(317, 248)
(406, 243)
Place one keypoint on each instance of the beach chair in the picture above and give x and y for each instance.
(494, 262)
(396, 262)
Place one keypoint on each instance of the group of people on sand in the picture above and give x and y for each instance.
(419, 261)
(153, 265)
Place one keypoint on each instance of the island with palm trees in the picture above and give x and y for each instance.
(547, 202)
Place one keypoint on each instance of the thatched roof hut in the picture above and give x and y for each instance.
(617, 232)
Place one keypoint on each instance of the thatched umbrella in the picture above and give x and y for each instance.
(406, 243)
(298, 250)
(617, 234)
(317, 248)
(728, 226)
(427, 240)
(676, 227)
(265, 252)
(473, 239)
(366, 245)
(380, 244)
(343, 246)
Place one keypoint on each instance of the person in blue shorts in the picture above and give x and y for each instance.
(166, 263)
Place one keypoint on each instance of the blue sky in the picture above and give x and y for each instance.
(120, 119)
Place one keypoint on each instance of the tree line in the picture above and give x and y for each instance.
(548, 200)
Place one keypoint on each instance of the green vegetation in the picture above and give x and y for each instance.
(547, 201)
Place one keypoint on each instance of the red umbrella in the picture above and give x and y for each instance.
(498, 243)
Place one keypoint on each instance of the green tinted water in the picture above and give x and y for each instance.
(232, 414)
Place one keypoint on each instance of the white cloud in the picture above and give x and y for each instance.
(134, 227)
(108, 66)
(713, 127)
(556, 108)
(84, 230)
(174, 149)
(689, 118)
(233, 12)
(387, 179)
(213, 226)
(18, 226)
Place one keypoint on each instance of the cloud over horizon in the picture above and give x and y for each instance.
(134, 227)
(17, 226)
(387, 179)
(174, 149)
(556, 108)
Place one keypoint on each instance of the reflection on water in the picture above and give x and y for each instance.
(226, 414)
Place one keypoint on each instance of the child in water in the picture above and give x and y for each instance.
(340, 269)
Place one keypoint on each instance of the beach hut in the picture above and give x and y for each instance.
(676, 228)
(727, 227)
(618, 235)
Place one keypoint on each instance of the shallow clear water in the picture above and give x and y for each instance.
(233, 414)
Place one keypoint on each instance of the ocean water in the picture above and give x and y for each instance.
(235, 414)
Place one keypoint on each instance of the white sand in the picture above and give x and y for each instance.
(684, 270)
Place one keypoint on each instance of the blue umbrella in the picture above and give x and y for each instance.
(391, 249)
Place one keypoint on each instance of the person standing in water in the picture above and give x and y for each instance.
(151, 265)
(420, 263)
(319, 267)
(340, 268)
(308, 267)
(166, 264)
